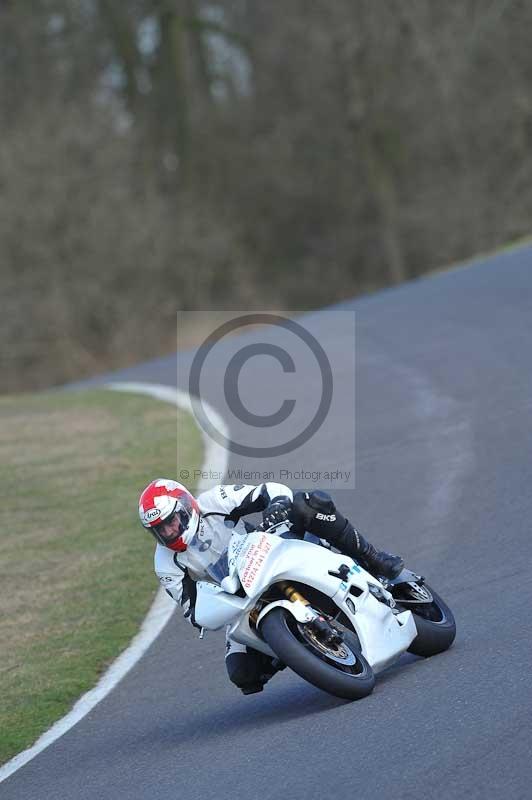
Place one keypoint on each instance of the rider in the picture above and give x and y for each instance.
(171, 513)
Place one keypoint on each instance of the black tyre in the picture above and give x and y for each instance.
(339, 669)
(435, 624)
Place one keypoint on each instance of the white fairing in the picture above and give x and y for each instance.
(262, 559)
(216, 608)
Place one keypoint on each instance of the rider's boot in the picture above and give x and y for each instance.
(378, 562)
(316, 512)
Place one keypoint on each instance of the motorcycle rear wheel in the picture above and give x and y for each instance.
(435, 624)
(340, 670)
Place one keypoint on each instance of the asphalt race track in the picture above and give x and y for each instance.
(444, 476)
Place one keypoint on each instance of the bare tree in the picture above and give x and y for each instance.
(162, 154)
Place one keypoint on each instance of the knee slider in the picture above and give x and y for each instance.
(322, 502)
(315, 512)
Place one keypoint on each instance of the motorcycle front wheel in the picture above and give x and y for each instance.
(338, 668)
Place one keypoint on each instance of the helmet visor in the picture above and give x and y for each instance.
(174, 526)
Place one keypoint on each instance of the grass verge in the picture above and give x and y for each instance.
(76, 569)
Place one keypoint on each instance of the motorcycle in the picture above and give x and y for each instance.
(317, 611)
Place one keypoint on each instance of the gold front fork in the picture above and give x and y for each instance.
(291, 593)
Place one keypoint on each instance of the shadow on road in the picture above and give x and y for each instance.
(278, 704)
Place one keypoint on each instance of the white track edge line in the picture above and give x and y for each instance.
(214, 459)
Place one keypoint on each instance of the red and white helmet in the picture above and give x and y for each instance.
(170, 512)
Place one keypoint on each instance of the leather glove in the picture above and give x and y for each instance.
(278, 511)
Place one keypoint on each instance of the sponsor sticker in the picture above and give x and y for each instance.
(151, 514)
(255, 558)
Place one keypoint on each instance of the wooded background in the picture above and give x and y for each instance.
(158, 155)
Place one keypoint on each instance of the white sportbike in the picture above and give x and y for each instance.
(318, 611)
